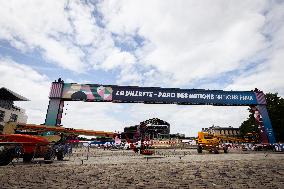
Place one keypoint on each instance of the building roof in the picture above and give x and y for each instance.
(155, 121)
(6, 94)
(221, 128)
(226, 128)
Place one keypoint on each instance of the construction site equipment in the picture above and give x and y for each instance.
(25, 141)
(12, 128)
(24, 146)
(136, 148)
(214, 143)
(142, 139)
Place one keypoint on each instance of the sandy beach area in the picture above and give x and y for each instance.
(100, 168)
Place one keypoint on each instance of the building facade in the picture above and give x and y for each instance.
(8, 111)
(157, 128)
(153, 129)
(225, 131)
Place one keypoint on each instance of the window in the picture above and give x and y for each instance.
(1, 128)
(14, 117)
(2, 115)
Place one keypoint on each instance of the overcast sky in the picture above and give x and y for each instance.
(220, 44)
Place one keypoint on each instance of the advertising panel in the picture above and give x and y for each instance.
(86, 92)
(182, 96)
(61, 92)
(93, 92)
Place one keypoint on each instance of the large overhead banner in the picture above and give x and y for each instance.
(61, 92)
(183, 96)
(155, 95)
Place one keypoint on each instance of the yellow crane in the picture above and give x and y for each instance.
(212, 142)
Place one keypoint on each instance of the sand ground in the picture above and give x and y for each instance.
(167, 169)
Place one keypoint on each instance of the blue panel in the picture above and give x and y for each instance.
(52, 112)
(267, 124)
(182, 96)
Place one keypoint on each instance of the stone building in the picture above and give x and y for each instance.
(8, 111)
(157, 128)
(225, 131)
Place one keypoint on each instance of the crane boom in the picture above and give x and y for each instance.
(11, 127)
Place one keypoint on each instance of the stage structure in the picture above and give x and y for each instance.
(61, 92)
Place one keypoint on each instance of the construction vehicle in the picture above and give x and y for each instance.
(209, 142)
(142, 144)
(214, 143)
(143, 148)
(26, 141)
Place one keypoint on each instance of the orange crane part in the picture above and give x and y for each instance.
(11, 127)
(29, 146)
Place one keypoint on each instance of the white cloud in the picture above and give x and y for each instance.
(95, 116)
(43, 26)
(118, 59)
(28, 83)
(130, 76)
(84, 23)
(65, 33)
(191, 40)
(267, 76)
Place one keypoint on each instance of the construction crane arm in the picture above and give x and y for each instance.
(11, 127)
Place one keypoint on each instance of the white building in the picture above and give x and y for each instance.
(9, 112)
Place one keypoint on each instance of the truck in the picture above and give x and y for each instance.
(24, 146)
(26, 141)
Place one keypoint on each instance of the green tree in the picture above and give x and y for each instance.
(275, 108)
(249, 126)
